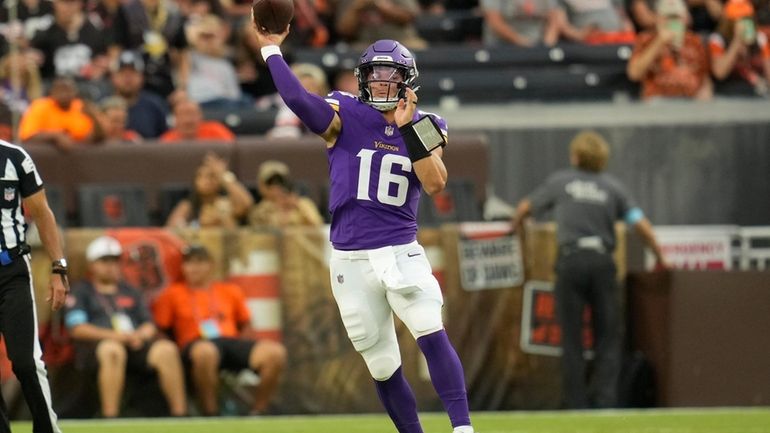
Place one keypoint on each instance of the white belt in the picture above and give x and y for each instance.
(366, 254)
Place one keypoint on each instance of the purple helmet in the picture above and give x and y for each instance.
(385, 61)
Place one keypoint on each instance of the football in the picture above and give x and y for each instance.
(272, 16)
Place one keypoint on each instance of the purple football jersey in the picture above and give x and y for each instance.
(374, 193)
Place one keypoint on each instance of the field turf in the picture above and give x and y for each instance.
(737, 420)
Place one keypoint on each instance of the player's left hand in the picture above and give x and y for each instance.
(406, 107)
(58, 291)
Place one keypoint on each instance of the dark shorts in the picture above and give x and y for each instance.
(136, 360)
(233, 352)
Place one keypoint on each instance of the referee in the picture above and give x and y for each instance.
(586, 203)
(22, 186)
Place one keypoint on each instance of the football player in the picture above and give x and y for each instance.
(382, 151)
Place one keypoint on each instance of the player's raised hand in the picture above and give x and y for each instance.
(264, 38)
(406, 107)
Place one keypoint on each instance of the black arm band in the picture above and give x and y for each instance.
(421, 138)
(61, 270)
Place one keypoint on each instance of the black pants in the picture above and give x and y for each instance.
(18, 324)
(586, 277)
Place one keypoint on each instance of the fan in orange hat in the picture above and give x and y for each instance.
(738, 9)
(737, 49)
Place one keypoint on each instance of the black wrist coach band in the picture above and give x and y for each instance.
(421, 137)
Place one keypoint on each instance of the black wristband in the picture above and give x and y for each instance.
(422, 137)
(413, 144)
(58, 269)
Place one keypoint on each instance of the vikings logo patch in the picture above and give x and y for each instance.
(389, 130)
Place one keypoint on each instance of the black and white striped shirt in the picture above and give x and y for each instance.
(20, 179)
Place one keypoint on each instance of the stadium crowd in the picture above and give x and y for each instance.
(102, 71)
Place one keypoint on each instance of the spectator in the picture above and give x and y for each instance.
(703, 14)
(738, 49)
(217, 199)
(104, 14)
(671, 61)
(114, 119)
(602, 21)
(642, 13)
(71, 45)
(27, 87)
(6, 127)
(281, 205)
(147, 112)
(762, 11)
(199, 8)
(346, 81)
(586, 203)
(237, 9)
(61, 119)
(211, 324)
(189, 125)
(32, 15)
(155, 29)
(114, 334)
(287, 124)
(526, 23)
(307, 27)
(212, 81)
(252, 73)
(365, 21)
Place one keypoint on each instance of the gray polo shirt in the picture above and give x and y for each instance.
(526, 17)
(602, 14)
(585, 204)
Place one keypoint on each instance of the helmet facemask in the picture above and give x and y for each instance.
(382, 84)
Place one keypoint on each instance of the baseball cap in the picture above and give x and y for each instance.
(272, 168)
(195, 251)
(103, 246)
(669, 8)
(737, 9)
(129, 59)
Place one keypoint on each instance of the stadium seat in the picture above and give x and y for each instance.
(112, 205)
(244, 122)
(456, 203)
(474, 74)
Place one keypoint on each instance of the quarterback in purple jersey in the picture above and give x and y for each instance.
(382, 151)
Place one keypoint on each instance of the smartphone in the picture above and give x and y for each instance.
(749, 31)
(677, 27)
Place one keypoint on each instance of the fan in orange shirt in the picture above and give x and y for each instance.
(189, 125)
(738, 49)
(210, 322)
(61, 118)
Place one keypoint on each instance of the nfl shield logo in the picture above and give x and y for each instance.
(389, 130)
(10, 193)
(340, 279)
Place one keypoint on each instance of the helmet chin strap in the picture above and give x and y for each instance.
(385, 104)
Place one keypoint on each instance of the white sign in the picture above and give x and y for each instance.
(490, 257)
(694, 247)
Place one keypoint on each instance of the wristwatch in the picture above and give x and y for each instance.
(59, 266)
